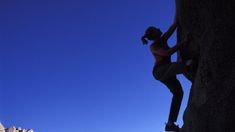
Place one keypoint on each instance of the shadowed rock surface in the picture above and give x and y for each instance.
(211, 106)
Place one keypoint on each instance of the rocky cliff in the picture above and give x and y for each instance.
(211, 106)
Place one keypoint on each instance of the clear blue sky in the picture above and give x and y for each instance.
(79, 65)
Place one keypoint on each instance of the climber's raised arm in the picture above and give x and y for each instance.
(171, 30)
(175, 24)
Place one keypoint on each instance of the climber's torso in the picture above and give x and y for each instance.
(160, 60)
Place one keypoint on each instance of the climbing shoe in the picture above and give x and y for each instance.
(172, 128)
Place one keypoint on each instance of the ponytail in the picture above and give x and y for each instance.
(144, 40)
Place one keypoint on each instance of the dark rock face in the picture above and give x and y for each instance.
(211, 106)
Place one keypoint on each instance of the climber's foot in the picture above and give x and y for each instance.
(189, 62)
(172, 127)
(189, 65)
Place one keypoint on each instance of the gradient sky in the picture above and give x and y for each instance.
(79, 65)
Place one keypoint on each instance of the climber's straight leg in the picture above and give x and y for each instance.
(167, 75)
(175, 87)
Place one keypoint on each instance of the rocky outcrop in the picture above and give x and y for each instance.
(211, 105)
(2, 128)
(13, 129)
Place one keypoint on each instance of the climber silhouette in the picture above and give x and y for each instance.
(164, 70)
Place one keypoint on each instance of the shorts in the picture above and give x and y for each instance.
(163, 72)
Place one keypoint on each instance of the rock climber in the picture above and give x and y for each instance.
(164, 70)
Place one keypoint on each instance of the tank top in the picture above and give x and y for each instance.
(164, 59)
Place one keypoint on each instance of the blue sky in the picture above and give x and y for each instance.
(79, 65)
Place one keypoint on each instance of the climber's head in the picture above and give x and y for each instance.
(151, 33)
